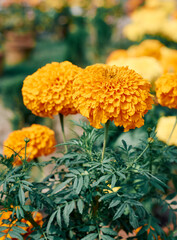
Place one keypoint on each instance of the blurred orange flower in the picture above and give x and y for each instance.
(48, 91)
(42, 142)
(103, 92)
(6, 215)
(166, 90)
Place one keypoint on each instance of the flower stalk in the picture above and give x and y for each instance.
(105, 138)
(62, 130)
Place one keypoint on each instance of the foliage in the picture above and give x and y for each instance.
(94, 197)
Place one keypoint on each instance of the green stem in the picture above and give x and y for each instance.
(62, 129)
(172, 131)
(105, 138)
(142, 153)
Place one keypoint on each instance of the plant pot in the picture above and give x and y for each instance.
(1, 62)
(17, 47)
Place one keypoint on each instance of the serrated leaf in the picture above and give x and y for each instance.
(120, 211)
(113, 181)
(59, 218)
(66, 215)
(50, 221)
(62, 185)
(124, 144)
(171, 196)
(21, 195)
(107, 196)
(106, 237)
(114, 202)
(15, 235)
(109, 231)
(80, 185)
(86, 181)
(80, 206)
(18, 230)
(91, 236)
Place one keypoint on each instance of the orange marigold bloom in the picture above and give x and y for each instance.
(119, 94)
(6, 215)
(48, 91)
(119, 53)
(149, 47)
(42, 142)
(166, 90)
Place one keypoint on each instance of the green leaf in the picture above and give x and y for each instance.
(50, 221)
(62, 185)
(109, 231)
(106, 237)
(18, 229)
(113, 181)
(91, 236)
(59, 217)
(171, 196)
(107, 196)
(120, 211)
(86, 181)
(66, 214)
(133, 218)
(21, 195)
(15, 235)
(114, 202)
(80, 206)
(80, 185)
(2, 234)
(124, 144)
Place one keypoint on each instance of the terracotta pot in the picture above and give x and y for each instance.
(1, 62)
(17, 47)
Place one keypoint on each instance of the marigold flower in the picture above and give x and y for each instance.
(48, 91)
(148, 67)
(119, 94)
(42, 142)
(6, 215)
(169, 59)
(149, 47)
(166, 90)
(164, 129)
(119, 53)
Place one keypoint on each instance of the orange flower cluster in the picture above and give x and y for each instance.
(42, 142)
(104, 92)
(166, 57)
(166, 90)
(6, 215)
(136, 231)
(49, 91)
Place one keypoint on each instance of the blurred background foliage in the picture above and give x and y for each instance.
(36, 32)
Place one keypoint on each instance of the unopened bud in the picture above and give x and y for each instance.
(26, 140)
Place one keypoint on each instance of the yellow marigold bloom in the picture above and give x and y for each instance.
(148, 67)
(119, 53)
(119, 94)
(42, 142)
(164, 129)
(6, 215)
(166, 90)
(48, 91)
(149, 47)
(169, 29)
(145, 21)
(169, 59)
